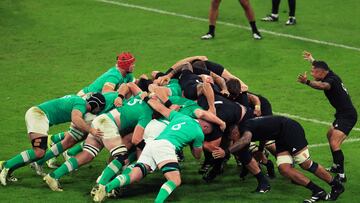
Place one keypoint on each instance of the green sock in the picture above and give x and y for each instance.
(21, 159)
(57, 137)
(65, 168)
(76, 149)
(165, 190)
(110, 171)
(128, 169)
(54, 151)
(119, 181)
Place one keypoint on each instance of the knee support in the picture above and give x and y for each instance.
(142, 168)
(172, 166)
(313, 167)
(119, 153)
(91, 149)
(40, 142)
(141, 144)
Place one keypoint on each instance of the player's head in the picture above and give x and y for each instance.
(199, 64)
(97, 103)
(126, 61)
(319, 70)
(206, 127)
(144, 84)
(234, 88)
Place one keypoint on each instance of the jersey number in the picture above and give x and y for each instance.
(135, 101)
(177, 126)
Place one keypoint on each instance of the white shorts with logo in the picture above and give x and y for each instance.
(157, 151)
(36, 121)
(107, 126)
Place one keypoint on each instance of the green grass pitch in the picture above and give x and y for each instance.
(52, 48)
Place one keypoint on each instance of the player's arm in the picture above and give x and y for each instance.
(253, 99)
(163, 80)
(122, 92)
(307, 56)
(159, 107)
(207, 116)
(133, 88)
(206, 89)
(319, 85)
(221, 82)
(108, 87)
(212, 145)
(189, 60)
(77, 119)
(196, 152)
(241, 143)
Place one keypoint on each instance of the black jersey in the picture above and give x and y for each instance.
(228, 111)
(288, 134)
(338, 95)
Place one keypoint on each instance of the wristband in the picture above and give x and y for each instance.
(146, 99)
(121, 96)
(168, 103)
(257, 107)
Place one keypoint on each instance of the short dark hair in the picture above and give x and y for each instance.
(199, 64)
(234, 87)
(144, 84)
(159, 74)
(321, 65)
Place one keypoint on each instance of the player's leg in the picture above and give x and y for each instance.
(284, 162)
(91, 148)
(213, 15)
(119, 154)
(292, 7)
(274, 16)
(171, 172)
(336, 138)
(37, 127)
(250, 15)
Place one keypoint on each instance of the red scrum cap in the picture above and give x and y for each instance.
(125, 60)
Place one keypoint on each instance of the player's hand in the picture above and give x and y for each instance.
(96, 132)
(223, 126)
(164, 80)
(307, 56)
(257, 112)
(302, 78)
(225, 93)
(118, 102)
(244, 88)
(218, 153)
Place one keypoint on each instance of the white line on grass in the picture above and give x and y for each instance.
(230, 24)
(327, 144)
(308, 119)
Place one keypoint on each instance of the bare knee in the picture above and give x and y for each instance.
(306, 164)
(284, 169)
(39, 153)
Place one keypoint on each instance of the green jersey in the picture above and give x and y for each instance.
(134, 112)
(188, 107)
(59, 110)
(182, 130)
(174, 87)
(109, 101)
(113, 75)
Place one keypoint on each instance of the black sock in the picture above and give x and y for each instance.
(275, 6)
(253, 27)
(313, 187)
(338, 158)
(260, 178)
(292, 6)
(212, 30)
